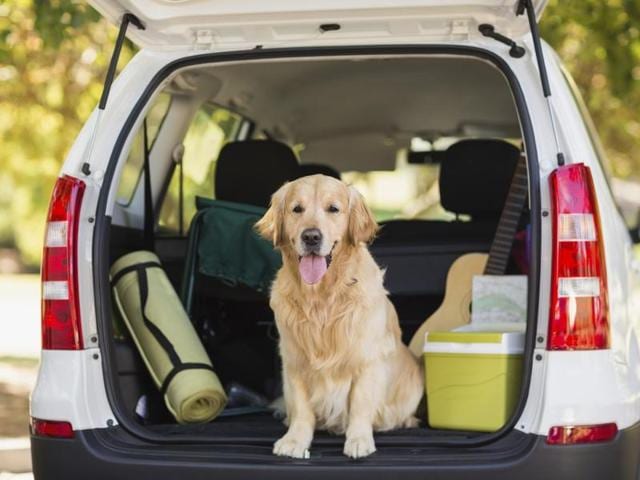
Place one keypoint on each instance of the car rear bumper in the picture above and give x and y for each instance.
(92, 454)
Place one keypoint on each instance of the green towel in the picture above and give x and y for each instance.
(166, 339)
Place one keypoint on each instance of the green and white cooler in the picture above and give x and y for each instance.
(472, 378)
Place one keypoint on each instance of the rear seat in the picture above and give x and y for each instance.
(474, 180)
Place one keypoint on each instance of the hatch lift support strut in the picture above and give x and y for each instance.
(113, 64)
(525, 6)
(127, 18)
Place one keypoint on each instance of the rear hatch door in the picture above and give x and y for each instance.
(230, 24)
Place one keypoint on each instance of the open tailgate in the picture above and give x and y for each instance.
(225, 24)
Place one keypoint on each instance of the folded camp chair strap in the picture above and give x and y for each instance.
(143, 287)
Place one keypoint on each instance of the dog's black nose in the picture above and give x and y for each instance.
(311, 237)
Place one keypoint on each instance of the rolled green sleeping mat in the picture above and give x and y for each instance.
(166, 339)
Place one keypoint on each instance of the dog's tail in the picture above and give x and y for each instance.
(279, 408)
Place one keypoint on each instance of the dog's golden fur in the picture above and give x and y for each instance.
(345, 368)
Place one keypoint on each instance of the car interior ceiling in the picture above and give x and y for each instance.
(235, 322)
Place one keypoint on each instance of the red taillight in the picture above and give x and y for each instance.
(579, 314)
(582, 434)
(49, 428)
(61, 328)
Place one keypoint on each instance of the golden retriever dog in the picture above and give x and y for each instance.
(345, 368)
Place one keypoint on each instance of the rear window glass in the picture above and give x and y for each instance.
(133, 167)
(410, 191)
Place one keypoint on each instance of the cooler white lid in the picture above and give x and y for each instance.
(471, 341)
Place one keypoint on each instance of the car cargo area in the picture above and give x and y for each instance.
(431, 141)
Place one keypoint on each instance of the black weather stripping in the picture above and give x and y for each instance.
(127, 18)
(487, 30)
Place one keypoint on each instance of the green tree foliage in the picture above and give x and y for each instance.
(54, 54)
(599, 42)
(53, 58)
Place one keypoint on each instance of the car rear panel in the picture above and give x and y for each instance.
(71, 386)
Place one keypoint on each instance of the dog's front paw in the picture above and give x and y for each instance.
(360, 446)
(289, 446)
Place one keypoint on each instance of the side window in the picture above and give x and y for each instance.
(210, 129)
(132, 169)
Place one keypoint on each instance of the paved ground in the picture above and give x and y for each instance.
(17, 377)
(20, 321)
(19, 350)
(15, 458)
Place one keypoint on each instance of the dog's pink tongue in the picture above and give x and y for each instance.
(312, 268)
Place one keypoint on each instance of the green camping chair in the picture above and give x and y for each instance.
(224, 245)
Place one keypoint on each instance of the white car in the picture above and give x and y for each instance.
(389, 96)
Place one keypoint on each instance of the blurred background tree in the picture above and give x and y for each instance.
(599, 43)
(53, 58)
(54, 54)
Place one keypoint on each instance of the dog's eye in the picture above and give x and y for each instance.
(333, 209)
(298, 209)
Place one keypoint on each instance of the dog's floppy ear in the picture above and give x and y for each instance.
(362, 225)
(271, 225)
